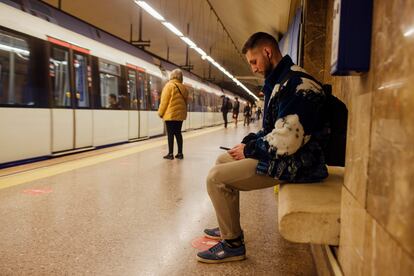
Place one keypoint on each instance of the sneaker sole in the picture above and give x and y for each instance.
(230, 259)
(212, 237)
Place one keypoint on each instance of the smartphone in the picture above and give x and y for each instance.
(224, 148)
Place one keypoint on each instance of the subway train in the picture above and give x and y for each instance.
(68, 86)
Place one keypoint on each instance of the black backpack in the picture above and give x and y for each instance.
(336, 113)
(229, 105)
(334, 127)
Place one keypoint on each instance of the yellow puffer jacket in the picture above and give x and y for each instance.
(173, 106)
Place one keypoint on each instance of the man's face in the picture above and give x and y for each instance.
(259, 61)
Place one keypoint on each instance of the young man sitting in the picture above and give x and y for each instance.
(288, 148)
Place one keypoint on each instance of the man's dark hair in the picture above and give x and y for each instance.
(256, 39)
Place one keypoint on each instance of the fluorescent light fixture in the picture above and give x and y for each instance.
(392, 85)
(189, 42)
(216, 64)
(210, 59)
(14, 49)
(200, 51)
(172, 28)
(150, 10)
(409, 32)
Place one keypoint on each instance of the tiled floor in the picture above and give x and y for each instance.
(137, 215)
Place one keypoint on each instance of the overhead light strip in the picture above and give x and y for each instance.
(191, 44)
(173, 29)
(149, 10)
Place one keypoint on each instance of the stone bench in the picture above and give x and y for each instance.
(310, 213)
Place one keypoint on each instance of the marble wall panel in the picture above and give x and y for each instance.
(352, 239)
(314, 57)
(390, 196)
(358, 137)
(378, 198)
(382, 254)
(314, 39)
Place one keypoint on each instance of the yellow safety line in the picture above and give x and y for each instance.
(39, 173)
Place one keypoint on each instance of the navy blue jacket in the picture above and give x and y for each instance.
(289, 147)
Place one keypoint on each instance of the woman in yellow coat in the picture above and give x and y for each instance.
(173, 110)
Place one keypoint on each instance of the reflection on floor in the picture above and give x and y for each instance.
(136, 214)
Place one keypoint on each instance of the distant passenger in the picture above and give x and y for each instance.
(253, 113)
(113, 103)
(258, 113)
(173, 110)
(226, 106)
(236, 110)
(247, 112)
(288, 148)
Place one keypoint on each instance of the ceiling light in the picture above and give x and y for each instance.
(409, 32)
(14, 49)
(210, 59)
(150, 10)
(172, 28)
(201, 52)
(189, 42)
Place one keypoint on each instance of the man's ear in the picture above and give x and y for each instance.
(267, 52)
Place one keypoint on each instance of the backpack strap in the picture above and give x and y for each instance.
(181, 93)
(327, 88)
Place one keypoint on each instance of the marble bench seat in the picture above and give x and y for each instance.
(310, 213)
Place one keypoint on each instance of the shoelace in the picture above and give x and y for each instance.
(216, 248)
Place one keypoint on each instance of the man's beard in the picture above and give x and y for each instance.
(268, 69)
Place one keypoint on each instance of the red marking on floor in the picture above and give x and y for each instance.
(37, 191)
(203, 243)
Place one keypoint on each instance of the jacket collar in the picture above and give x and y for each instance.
(277, 74)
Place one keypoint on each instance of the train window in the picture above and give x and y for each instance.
(132, 89)
(196, 101)
(15, 71)
(209, 99)
(109, 79)
(80, 64)
(143, 92)
(190, 98)
(155, 91)
(109, 68)
(59, 74)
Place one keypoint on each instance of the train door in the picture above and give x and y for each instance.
(69, 73)
(82, 84)
(143, 104)
(133, 114)
(189, 108)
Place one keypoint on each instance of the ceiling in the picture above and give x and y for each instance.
(241, 18)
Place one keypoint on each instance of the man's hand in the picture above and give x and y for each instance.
(237, 152)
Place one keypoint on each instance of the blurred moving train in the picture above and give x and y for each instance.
(67, 86)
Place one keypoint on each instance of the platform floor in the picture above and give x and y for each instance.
(127, 211)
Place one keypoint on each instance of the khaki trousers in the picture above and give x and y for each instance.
(224, 183)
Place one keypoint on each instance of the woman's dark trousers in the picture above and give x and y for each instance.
(174, 129)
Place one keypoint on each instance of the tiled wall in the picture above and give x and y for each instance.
(377, 220)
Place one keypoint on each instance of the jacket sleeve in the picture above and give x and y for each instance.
(165, 100)
(296, 120)
(253, 136)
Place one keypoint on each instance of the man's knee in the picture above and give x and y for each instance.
(224, 158)
(212, 179)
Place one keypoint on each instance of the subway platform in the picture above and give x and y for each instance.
(125, 210)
